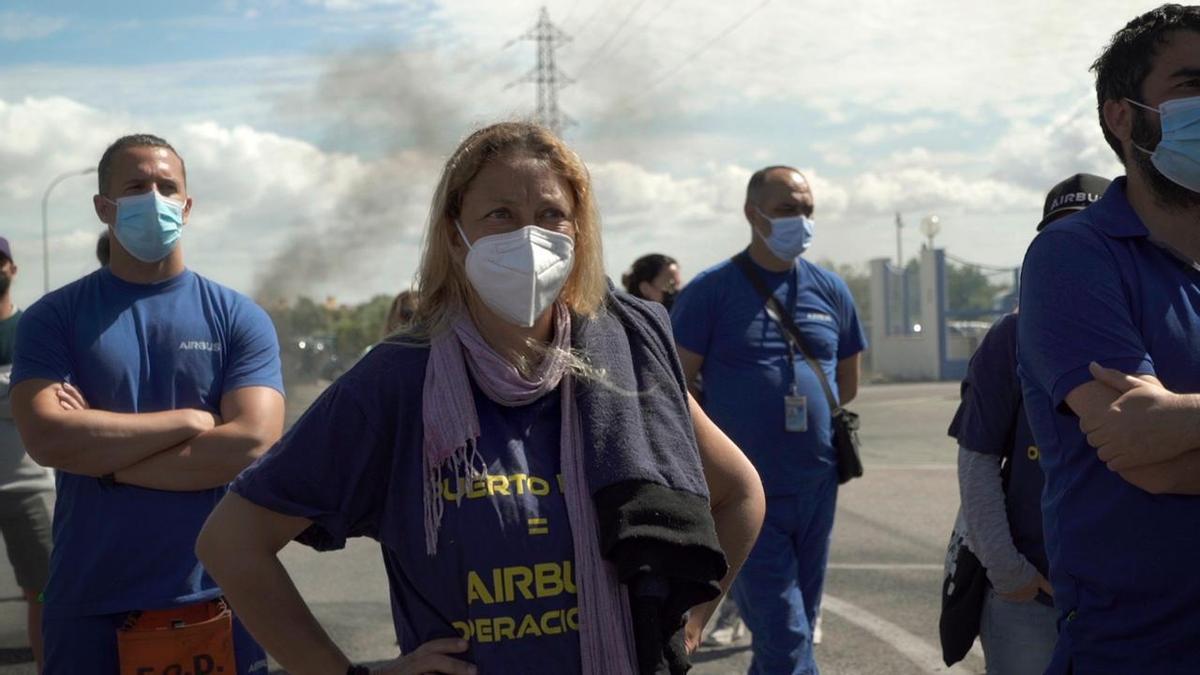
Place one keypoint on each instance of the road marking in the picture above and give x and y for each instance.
(886, 567)
(922, 654)
(931, 466)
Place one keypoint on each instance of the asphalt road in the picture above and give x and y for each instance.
(880, 608)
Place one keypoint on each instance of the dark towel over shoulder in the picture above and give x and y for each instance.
(644, 471)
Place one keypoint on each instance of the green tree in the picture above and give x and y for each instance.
(857, 279)
(969, 290)
(346, 330)
(361, 326)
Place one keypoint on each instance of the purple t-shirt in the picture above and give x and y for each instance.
(503, 575)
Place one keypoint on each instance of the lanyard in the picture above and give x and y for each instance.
(793, 293)
(790, 331)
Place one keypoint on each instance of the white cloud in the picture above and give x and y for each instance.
(353, 5)
(251, 189)
(902, 58)
(929, 190)
(231, 90)
(26, 26)
(350, 227)
(41, 138)
(970, 110)
(874, 133)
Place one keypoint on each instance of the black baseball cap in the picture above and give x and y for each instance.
(1073, 194)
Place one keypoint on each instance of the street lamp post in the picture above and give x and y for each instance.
(46, 226)
(930, 226)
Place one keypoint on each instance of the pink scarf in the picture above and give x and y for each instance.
(451, 433)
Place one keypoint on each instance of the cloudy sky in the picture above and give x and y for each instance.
(314, 130)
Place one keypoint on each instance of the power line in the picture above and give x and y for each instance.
(599, 8)
(704, 47)
(1081, 107)
(571, 12)
(621, 26)
(662, 8)
(995, 269)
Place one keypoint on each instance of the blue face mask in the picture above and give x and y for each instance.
(148, 225)
(790, 237)
(1177, 155)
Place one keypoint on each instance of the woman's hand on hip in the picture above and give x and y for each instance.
(431, 657)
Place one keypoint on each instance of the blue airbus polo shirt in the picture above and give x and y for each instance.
(1125, 564)
(747, 373)
(184, 342)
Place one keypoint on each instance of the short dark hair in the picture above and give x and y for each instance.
(1123, 66)
(104, 170)
(760, 178)
(645, 268)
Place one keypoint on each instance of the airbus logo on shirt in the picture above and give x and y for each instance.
(199, 346)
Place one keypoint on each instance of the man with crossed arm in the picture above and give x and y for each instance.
(148, 388)
(1117, 288)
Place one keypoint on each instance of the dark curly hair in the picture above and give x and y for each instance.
(1122, 68)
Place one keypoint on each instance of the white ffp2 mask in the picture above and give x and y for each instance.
(519, 274)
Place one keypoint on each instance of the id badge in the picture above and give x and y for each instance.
(795, 413)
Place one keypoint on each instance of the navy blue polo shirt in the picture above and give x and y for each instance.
(991, 420)
(1125, 564)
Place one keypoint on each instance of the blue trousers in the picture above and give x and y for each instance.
(88, 644)
(1017, 637)
(778, 590)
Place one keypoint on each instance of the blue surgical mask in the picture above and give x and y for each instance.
(1177, 155)
(148, 225)
(790, 237)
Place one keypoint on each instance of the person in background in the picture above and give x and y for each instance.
(103, 251)
(147, 387)
(528, 502)
(772, 404)
(1003, 515)
(1107, 350)
(26, 489)
(654, 277)
(401, 313)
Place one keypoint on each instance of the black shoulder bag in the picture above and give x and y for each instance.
(964, 587)
(965, 583)
(845, 423)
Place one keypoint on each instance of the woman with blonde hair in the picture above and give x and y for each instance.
(545, 493)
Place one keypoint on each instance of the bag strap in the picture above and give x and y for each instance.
(1006, 466)
(786, 324)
